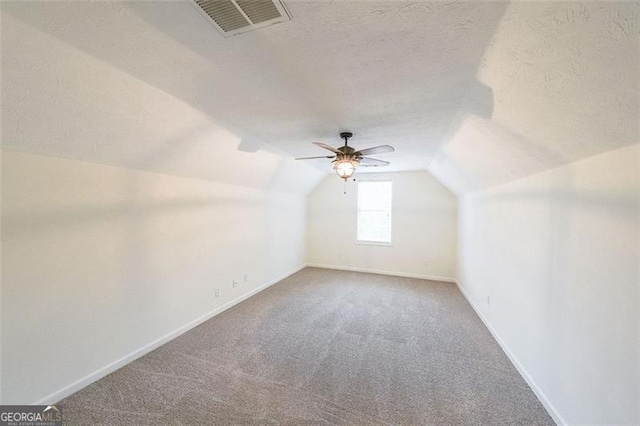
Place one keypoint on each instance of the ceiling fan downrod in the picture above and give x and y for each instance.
(346, 136)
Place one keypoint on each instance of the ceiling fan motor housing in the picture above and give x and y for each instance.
(346, 150)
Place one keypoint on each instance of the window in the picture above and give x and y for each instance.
(374, 212)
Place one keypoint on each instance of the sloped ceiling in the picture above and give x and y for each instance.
(564, 81)
(478, 93)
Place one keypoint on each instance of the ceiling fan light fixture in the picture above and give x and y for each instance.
(345, 168)
(346, 159)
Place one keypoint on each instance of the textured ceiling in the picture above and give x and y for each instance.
(478, 93)
(565, 83)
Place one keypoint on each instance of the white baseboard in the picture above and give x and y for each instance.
(376, 271)
(101, 372)
(555, 415)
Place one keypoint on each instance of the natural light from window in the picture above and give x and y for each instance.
(374, 212)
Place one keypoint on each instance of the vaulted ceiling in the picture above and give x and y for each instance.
(478, 93)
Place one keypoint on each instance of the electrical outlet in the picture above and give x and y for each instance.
(488, 300)
(245, 278)
(234, 284)
(217, 292)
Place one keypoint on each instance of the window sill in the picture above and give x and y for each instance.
(373, 243)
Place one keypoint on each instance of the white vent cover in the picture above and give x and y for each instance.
(233, 17)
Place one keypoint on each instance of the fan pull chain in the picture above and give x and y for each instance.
(345, 187)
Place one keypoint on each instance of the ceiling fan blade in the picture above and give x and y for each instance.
(313, 158)
(325, 146)
(372, 162)
(375, 150)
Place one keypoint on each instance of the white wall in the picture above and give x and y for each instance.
(557, 253)
(423, 228)
(99, 261)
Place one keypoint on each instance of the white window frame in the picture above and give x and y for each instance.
(391, 211)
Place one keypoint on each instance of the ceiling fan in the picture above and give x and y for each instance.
(346, 159)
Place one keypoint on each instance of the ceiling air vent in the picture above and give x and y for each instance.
(233, 17)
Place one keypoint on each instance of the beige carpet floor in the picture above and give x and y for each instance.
(323, 347)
